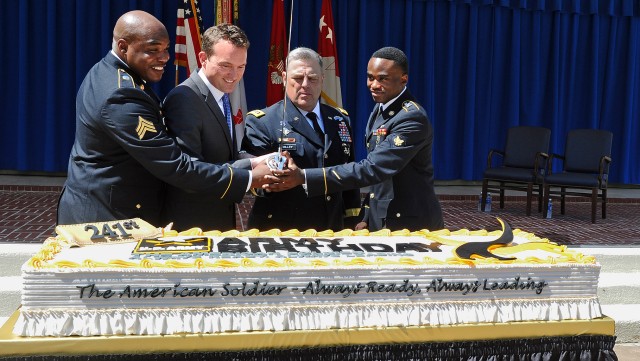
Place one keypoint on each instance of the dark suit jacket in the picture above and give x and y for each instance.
(292, 208)
(194, 118)
(398, 168)
(122, 153)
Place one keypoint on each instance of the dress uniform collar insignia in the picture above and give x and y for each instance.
(144, 126)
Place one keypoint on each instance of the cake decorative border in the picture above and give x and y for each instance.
(292, 317)
(54, 245)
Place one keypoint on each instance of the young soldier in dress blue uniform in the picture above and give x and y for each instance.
(398, 166)
(315, 135)
(122, 153)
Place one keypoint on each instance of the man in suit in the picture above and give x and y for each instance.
(315, 135)
(122, 152)
(398, 166)
(195, 115)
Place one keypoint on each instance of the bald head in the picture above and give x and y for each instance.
(138, 25)
(142, 42)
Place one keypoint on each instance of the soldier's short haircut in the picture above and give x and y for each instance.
(394, 54)
(303, 53)
(228, 32)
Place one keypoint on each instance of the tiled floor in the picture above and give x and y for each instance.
(27, 214)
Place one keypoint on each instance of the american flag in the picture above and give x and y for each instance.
(188, 40)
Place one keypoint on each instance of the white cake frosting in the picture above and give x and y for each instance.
(303, 280)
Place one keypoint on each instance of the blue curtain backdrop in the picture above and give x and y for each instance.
(477, 66)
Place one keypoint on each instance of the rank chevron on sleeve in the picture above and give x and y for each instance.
(144, 126)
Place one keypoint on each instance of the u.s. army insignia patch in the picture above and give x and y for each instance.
(144, 126)
(407, 105)
(397, 141)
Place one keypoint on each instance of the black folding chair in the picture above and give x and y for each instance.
(523, 165)
(585, 172)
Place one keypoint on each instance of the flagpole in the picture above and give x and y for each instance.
(177, 70)
(290, 26)
(281, 159)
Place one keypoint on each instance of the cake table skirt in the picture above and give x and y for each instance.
(554, 340)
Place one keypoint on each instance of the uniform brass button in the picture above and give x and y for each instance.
(270, 216)
(371, 195)
(397, 215)
(138, 206)
(328, 198)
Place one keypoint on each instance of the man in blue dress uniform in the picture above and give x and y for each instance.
(315, 135)
(398, 167)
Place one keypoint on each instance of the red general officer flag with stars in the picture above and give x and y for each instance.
(331, 92)
(277, 54)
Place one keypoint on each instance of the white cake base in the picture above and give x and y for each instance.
(309, 317)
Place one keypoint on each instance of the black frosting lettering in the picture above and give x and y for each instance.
(257, 289)
(404, 287)
(271, 245)
(309, 243)
(232, 245)
(440, 285)
(93, 291)
(144, 292)
(334, 245)
(516, 284)
(376, 247)
(317, 287)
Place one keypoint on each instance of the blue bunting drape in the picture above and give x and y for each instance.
(478, 67)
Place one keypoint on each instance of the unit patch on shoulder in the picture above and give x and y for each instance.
(144, 126)
(342, 111)
(124, 79)
(257, 113)
(409, 104)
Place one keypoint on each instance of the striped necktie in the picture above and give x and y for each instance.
(227, 112)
